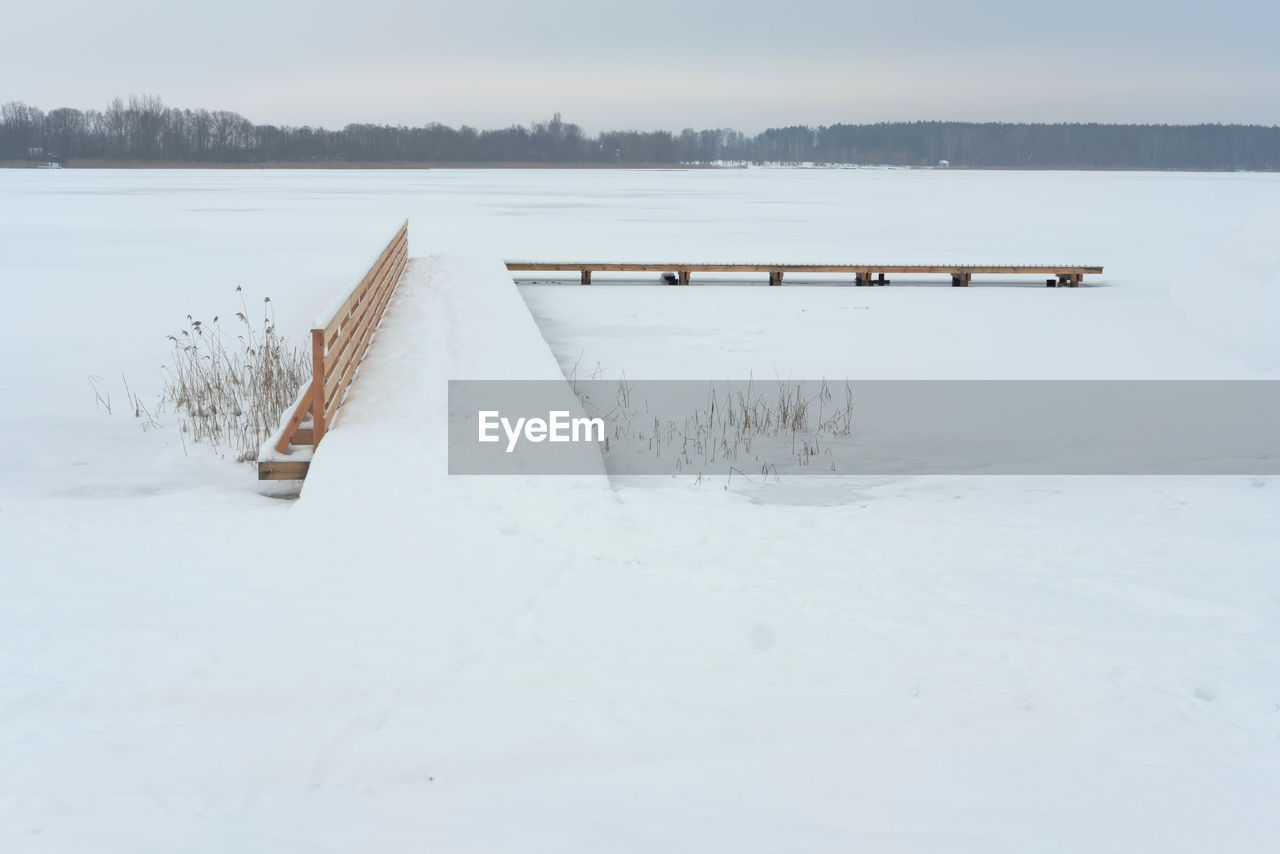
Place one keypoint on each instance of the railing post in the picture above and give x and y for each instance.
(317, 386)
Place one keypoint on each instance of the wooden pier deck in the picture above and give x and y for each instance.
(1066, 275)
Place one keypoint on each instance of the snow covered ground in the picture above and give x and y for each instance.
(401, 660)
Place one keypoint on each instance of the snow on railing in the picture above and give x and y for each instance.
(338, 342)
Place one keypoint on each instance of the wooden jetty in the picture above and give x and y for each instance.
(1065, 275)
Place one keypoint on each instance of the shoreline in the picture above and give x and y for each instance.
(345, 164)
(340, 165)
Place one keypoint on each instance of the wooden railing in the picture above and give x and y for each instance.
(336, 350)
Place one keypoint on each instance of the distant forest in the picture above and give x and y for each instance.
(143, 129)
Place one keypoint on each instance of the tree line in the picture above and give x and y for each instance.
(144, 129)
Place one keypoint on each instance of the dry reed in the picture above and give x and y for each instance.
(229, 389)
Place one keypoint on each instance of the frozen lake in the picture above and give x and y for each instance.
(124, 255)
(402, 660)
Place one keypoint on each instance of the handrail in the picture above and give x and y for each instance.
(338, 344)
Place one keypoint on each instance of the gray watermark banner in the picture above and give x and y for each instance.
(866, 427)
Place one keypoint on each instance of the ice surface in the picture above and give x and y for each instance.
(401, 661)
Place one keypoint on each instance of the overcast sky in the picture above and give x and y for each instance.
(662, 63)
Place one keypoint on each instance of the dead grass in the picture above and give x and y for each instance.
(733, 420)
(230, 387)
(102, 401)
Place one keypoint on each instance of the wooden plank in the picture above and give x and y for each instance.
(361, 291)
(401, 236)
(351, 332)
(271, 470)
(387, 278)
(354, 345)
(573, 266)
(398, 245)
(299, 413)
(334, 401)
(303, 436)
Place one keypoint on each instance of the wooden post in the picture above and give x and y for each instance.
(586, 277)
(775, 278)
(317, 385)
(1076, 279)
(882, 280)
(684, 277)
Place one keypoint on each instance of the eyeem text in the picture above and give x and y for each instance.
(556, 427)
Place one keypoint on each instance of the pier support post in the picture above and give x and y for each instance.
(586, 277)
(960, 280)
(684, 277)
(775, 277)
